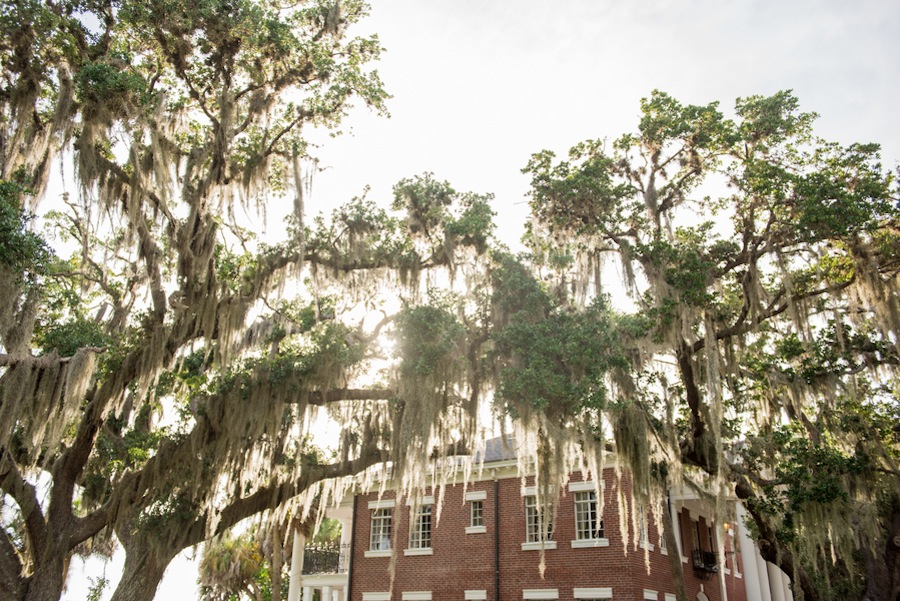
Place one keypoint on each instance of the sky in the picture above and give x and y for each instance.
(480, 85)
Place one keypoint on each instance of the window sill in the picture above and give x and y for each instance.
(647, 546)
(413, 552)
(547, 544)
(663, 551)
(587, 543)
(683, 559)
(377, 553)
(476, 529)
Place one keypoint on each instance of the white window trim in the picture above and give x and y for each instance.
(670, 597)
(648, 546)
(417, 596)
(538, 545)
(727, 570)
(476, 595)
(529, 491)
(378, 553)
(377, 596)
(587, 543)
(585, 486)
(422, 551)
(476, 529)
(426, 500)
(540, 593)
(650, 595)
(382, 504)
(592, 593)
(476, 495)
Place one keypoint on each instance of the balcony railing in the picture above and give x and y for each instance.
(706, 563)
(326, 559)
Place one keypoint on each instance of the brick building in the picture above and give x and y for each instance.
(487, 546)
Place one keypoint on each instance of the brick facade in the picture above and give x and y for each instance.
(461, 562)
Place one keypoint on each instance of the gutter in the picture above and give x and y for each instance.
(350, 551)
(496, 539)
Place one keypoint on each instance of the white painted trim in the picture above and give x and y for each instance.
(648, 546)
(585, 486)
(529, 491)
(377, 596)
(382, 504)
(475, 595)
(426, 500)
(670, 597)
(476, 495)
(422, 551)
(378, 553)
(727, 571)
(683, 559)
(417, 596)
(650, 595)
(592, 593)
(476, 529)
(587, 543)
(537, 546)
(540, 593)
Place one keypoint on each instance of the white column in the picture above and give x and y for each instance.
(297, 567)
(748, 553)
(763, 571)
(307, 593)
(336, 595)
(345, 550)
(326, 594)
(776, 584)
(344, 592)
(676, 528)
(788, 593)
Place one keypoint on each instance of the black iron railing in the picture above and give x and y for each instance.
(326, 559)
(705, 562)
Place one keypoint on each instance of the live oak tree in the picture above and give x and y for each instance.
(160, 384)
(756, 354)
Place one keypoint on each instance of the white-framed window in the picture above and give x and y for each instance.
(538, 526)
(588, 525)
(593, 594)
(476, 513)
(476, 499)
(420, 531)
(380, 536)
(643, 530)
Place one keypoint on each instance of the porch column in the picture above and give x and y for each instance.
(307, 593)
(326, 594)
(297, 567)
(748, 553)
(776, 584)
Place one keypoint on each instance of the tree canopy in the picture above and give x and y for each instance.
(162, 365)
(756, 354)
(160, 383)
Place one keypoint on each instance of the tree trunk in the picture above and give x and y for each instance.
(143, 571)
(277, 563)
(674, 554)
(46, 583)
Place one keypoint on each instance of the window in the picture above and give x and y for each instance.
(380, 539)
(538, 526)
(643, 530)
(476, 514)
(420, 533)
(476, 499)
(587, 525)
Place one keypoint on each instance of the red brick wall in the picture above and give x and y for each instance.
(463, 561)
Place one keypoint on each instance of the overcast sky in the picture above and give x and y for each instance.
(479, 85)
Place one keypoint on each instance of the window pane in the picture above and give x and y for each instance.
(534, 522)
(420, 537)
(587, 526)
(380, 539)
(477, 513)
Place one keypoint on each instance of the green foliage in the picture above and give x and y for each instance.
(429, 338)
(21, 250)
